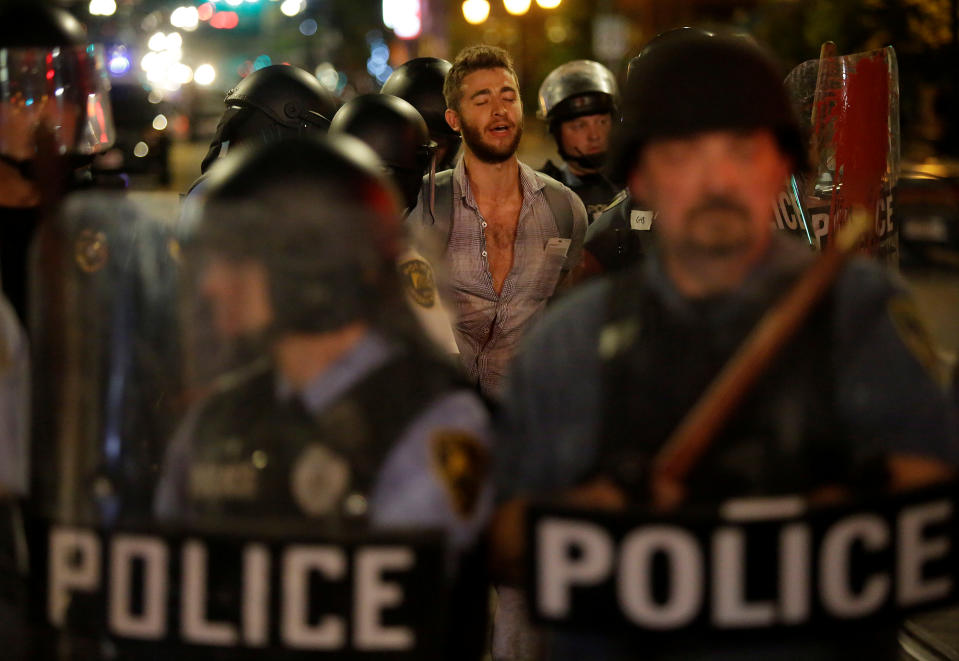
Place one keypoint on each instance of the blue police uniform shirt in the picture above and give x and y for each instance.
(550, 421)
(409, 490)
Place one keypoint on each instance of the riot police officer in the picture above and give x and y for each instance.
(272, 102)
(420, 82)
(397, 133)
(55, 90)
(580, 102)
(621, 233)
(345, 421)
(709, 140)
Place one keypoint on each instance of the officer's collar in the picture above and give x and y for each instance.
(371, 351)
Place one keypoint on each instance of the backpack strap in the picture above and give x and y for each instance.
(440, 198)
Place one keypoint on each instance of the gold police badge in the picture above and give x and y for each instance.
(418, 281)
(462, 463)
(319, 480)
(91, 251)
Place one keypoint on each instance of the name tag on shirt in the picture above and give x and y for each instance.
(557, 246)
(640, 219)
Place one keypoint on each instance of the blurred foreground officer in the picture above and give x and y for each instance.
(55, 90)
(709, 140)
(420, 83)
(580, 100)
(345, 423)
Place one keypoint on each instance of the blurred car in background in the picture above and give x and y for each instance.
(143, 126)
(926, 208)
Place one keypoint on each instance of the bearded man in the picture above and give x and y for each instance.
(500, 235)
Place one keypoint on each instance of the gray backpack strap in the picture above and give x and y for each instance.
(557, 198)
(440, 201)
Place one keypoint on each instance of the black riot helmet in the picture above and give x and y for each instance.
(396, 132)
(575, 89)
(275, 101)
(690, 81)
(420, 83)
(51, 74)
(319, 215)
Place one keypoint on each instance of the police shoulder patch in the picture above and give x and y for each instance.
(462, 464)
(418, 281)
(915, 335)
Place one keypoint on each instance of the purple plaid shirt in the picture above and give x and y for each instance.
(489, 326)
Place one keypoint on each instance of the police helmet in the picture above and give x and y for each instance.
(575, 89)
(271, 102)
(396, 132)
(51, 75)
(420, 83)
(697, 81)
(319, 215)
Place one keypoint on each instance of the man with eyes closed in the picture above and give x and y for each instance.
(499, 234)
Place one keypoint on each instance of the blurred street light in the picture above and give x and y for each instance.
(186, 18)
(102, 7)
(548, 4)
(292, 7)
(475, 11)
(517, 7)
(205, 74)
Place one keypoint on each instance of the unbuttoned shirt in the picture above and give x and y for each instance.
(488, 326)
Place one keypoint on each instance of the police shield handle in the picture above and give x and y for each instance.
(696, 431)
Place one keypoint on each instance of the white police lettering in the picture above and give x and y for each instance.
(151, 621)
(794, 573)
(142, 576)
(685, 577)
(330, 632)
(820, 228)
(838, 596)
(850, 564)
(729, 584)
(369, 631)
(256, 595)
(559, 572)
(196, 627)
(74, 565)
(785, 216)
(915, 551)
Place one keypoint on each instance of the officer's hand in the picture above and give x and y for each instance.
(600, 493)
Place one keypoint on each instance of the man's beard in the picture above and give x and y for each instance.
(473, 138)
(717, 228)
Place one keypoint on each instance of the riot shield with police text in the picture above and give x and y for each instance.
(849, 107)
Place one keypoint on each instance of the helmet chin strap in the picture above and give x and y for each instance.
(586, 161)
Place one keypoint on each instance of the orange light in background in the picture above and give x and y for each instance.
(548, 4)
(475, 11)
(517, 7)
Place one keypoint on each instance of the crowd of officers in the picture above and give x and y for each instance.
(395, 323)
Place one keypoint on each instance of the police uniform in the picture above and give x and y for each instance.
(619, 237)
(382, 436)
(854, 385)
(593, 188)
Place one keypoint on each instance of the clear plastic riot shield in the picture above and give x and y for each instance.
(189, 507)
(849, 106)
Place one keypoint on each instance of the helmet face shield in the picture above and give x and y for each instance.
(65, 88)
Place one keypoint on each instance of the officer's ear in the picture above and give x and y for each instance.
(453, 119)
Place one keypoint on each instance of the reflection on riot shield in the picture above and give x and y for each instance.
(106, 359)
(849, 106)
